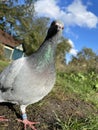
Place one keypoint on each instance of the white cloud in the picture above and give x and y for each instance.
(71, 43)
(78, 14)
(72, 51)
(74, 14)
(47, 8)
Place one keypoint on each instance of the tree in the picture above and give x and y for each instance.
(86, 59)
(13, 13)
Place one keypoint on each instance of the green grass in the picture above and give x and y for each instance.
(84, 85)
(89, 123)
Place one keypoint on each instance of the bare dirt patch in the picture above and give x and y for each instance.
(45, 112)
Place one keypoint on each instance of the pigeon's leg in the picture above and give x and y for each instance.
(2, 118)
(25, 121)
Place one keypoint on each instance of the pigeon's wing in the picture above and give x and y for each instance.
(9, 74)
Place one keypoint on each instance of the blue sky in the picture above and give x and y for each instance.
(80, 18)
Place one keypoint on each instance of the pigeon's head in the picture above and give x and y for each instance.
(56, 28)
(57, 25)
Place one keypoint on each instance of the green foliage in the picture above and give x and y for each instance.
(15, 16)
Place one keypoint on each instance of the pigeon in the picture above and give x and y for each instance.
(29, 79)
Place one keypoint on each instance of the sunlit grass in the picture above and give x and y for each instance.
(84, 85)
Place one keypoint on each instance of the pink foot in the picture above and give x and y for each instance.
(2, 118)
(29, 123)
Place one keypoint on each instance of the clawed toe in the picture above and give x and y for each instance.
(28, 123)
(2, 118)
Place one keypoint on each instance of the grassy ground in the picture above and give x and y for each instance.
(72, 105)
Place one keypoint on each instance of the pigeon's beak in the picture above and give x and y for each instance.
(60, 26)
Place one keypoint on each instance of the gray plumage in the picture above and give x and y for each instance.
(28, 79)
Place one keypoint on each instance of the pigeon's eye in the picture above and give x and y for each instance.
(62, 27)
